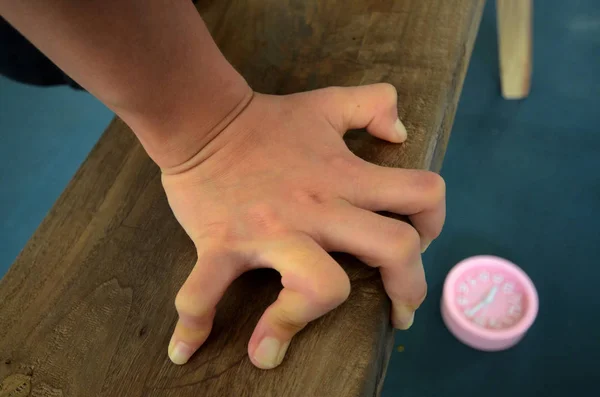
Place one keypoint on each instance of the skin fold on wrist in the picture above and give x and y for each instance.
(175, 139)
(193, 149)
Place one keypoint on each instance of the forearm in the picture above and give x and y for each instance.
(151, 61)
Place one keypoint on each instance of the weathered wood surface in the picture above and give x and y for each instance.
(87, 308)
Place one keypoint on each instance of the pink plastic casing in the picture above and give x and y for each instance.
(473, 335)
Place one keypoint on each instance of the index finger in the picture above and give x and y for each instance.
(418, 194)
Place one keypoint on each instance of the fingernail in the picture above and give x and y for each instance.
(404, 316)
(270, 352)
(400, 130)
(180, 352)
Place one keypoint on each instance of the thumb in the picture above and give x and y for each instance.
(373, 107)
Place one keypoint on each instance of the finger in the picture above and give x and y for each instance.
(421, 195)
(389, 244)
(313, 284)
(196, 302)
(373, 107)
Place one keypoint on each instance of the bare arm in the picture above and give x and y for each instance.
(153, 62)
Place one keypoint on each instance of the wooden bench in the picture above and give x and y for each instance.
(87, 309)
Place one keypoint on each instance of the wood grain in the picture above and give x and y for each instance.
(87, 308)
(514, 20)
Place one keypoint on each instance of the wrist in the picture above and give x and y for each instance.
(178, 102)
(178, 130)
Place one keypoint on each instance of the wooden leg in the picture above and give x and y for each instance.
(514, 19)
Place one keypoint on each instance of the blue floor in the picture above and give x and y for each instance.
(45, 134)
(523, 183)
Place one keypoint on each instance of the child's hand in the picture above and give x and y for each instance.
(279, 188)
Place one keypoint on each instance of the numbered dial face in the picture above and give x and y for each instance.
(490, 298)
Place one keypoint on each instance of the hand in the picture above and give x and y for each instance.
(278, 188)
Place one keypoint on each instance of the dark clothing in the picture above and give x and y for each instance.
(21, 61)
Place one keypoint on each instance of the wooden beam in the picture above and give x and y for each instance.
(514, 20)
(87, 308)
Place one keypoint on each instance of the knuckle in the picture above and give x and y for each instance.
(332, 290)
(308, 196)
(288, 323)
(388, 91)
(404, 239)
(185, 304)
(412, 296)
(418, 295)
(412, 237)
(265, 218)
(434, 185)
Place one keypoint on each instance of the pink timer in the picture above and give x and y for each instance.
(488, 302)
